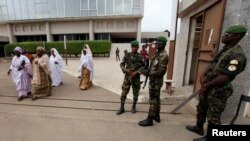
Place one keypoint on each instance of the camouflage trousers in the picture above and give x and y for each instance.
(127, 82)
(212, 104)
(154, 94)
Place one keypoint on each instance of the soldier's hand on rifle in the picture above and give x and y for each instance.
(133, 74)
(128, 72)
(203, 89)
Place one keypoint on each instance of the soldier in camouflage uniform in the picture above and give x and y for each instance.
(132, 65)
(216, 85)
(156, 73)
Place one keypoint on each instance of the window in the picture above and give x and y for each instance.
(88, 8)
(136, 7)
(101, 7)
(31, 38)
(136, 3)
(41, 8)
(84, 4)
(60, 8)
(69, 37)
(92, 4)
(3, 12)
(69, 8)
(118, 7)
(102, 36)
(127, 7)
(109, 7)
(92, 8)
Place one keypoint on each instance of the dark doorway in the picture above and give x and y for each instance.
(2, 44)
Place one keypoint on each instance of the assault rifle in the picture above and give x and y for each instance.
(147, 74)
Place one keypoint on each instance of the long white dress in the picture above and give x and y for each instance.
(56, 69)
(21, 78)
(87, 61)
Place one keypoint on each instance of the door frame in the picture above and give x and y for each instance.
(218, 39)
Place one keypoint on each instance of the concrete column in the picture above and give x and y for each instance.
(91, 30)
(12, 39)
(138, 36)
(48, 32)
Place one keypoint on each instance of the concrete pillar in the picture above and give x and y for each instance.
(138, 36)
(12, 39)
(48, 32)
(91, 30)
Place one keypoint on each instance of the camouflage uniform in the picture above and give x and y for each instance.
(159, 61)
(131, 62)
(230, 62)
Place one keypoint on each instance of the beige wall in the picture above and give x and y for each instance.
(3, 30)
(48, 28)
(69, 27)
(28, 29)
(113, 26)
(185, 3)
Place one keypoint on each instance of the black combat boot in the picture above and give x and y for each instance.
(121, 110)
(201, 139)
(133, 110)
(197, 129)
(146, 122)
(157, 118)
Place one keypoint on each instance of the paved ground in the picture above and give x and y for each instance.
(108, 75)
(72, 114)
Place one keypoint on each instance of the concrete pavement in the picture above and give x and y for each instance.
(108, 75)
(72, 114)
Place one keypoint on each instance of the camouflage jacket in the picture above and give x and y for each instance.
(159, 65)
(132, 62)
(229, 61)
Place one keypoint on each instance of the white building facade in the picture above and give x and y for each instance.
(49, 20)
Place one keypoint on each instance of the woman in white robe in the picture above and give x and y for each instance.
(56, 65)
(21, 72)
(86, 67)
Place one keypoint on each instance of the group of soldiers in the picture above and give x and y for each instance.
(133, 65)
(215, 81)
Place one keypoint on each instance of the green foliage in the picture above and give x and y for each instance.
(73, 47)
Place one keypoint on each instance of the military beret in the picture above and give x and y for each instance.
(134, 43)
(161, 39)
(236, 29)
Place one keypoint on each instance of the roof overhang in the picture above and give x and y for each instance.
(192, 7)
(112, 17)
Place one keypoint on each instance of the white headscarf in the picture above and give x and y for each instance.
(57, 58)
(87, 61)
(16, 63)
(19, 49)
(88, 50)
